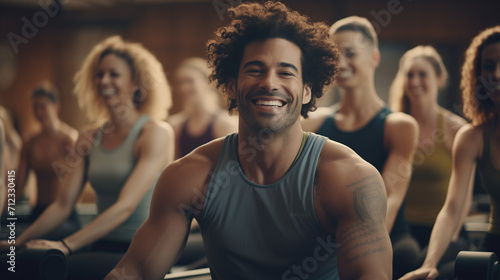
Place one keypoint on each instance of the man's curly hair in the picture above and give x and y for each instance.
(478, 107)
(252, 22)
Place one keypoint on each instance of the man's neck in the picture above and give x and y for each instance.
(266, 157)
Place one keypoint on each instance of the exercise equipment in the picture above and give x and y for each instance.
(476, 266)
(36, 263)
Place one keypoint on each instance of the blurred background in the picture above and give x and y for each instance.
(48, 40)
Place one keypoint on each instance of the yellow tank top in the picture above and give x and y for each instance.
(427, 190)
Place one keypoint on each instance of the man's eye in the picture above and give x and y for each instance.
(254, 71)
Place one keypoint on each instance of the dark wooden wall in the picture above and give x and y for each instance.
(174, 31)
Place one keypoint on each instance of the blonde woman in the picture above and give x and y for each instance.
(202, 118)
(477, 145)
(123, 88)
(414, 91)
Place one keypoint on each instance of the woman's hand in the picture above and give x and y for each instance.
(426, 273)
(48, 244)
(5, 246)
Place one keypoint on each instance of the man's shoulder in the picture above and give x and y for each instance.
(339, 162)
(340, 173)
(186, 178)
(68, 133)
(199, 163)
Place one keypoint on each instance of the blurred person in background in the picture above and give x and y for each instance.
(13, 142)
(414, 91)
(123, 89)
(364, 123)
(3, 175)
(44, 153)
(476, 145)
(202, 118)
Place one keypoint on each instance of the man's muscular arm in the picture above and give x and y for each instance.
(364, 246)
(354, 201)
(159, 241)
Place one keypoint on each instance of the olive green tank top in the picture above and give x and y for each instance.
(428, 186)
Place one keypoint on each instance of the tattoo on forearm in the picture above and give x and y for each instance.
(365, 237)
(365, 254)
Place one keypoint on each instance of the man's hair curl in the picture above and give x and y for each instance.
(252, 22)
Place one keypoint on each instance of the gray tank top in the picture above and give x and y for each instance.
(271, 231)
(108, 171)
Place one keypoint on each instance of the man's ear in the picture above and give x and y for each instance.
(306, 94)
(231, 89)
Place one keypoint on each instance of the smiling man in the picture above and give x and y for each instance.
(272, 201)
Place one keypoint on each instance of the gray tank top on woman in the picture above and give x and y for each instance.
(108, 171)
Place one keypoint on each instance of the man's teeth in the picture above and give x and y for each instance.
(108, 92)
(272, 103)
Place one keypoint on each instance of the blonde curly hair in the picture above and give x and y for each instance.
(201, 66)
(197, 63)
(154, 98)
(478, 107)
(398, 101)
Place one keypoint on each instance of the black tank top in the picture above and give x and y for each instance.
(188, 143)
(367, 142)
